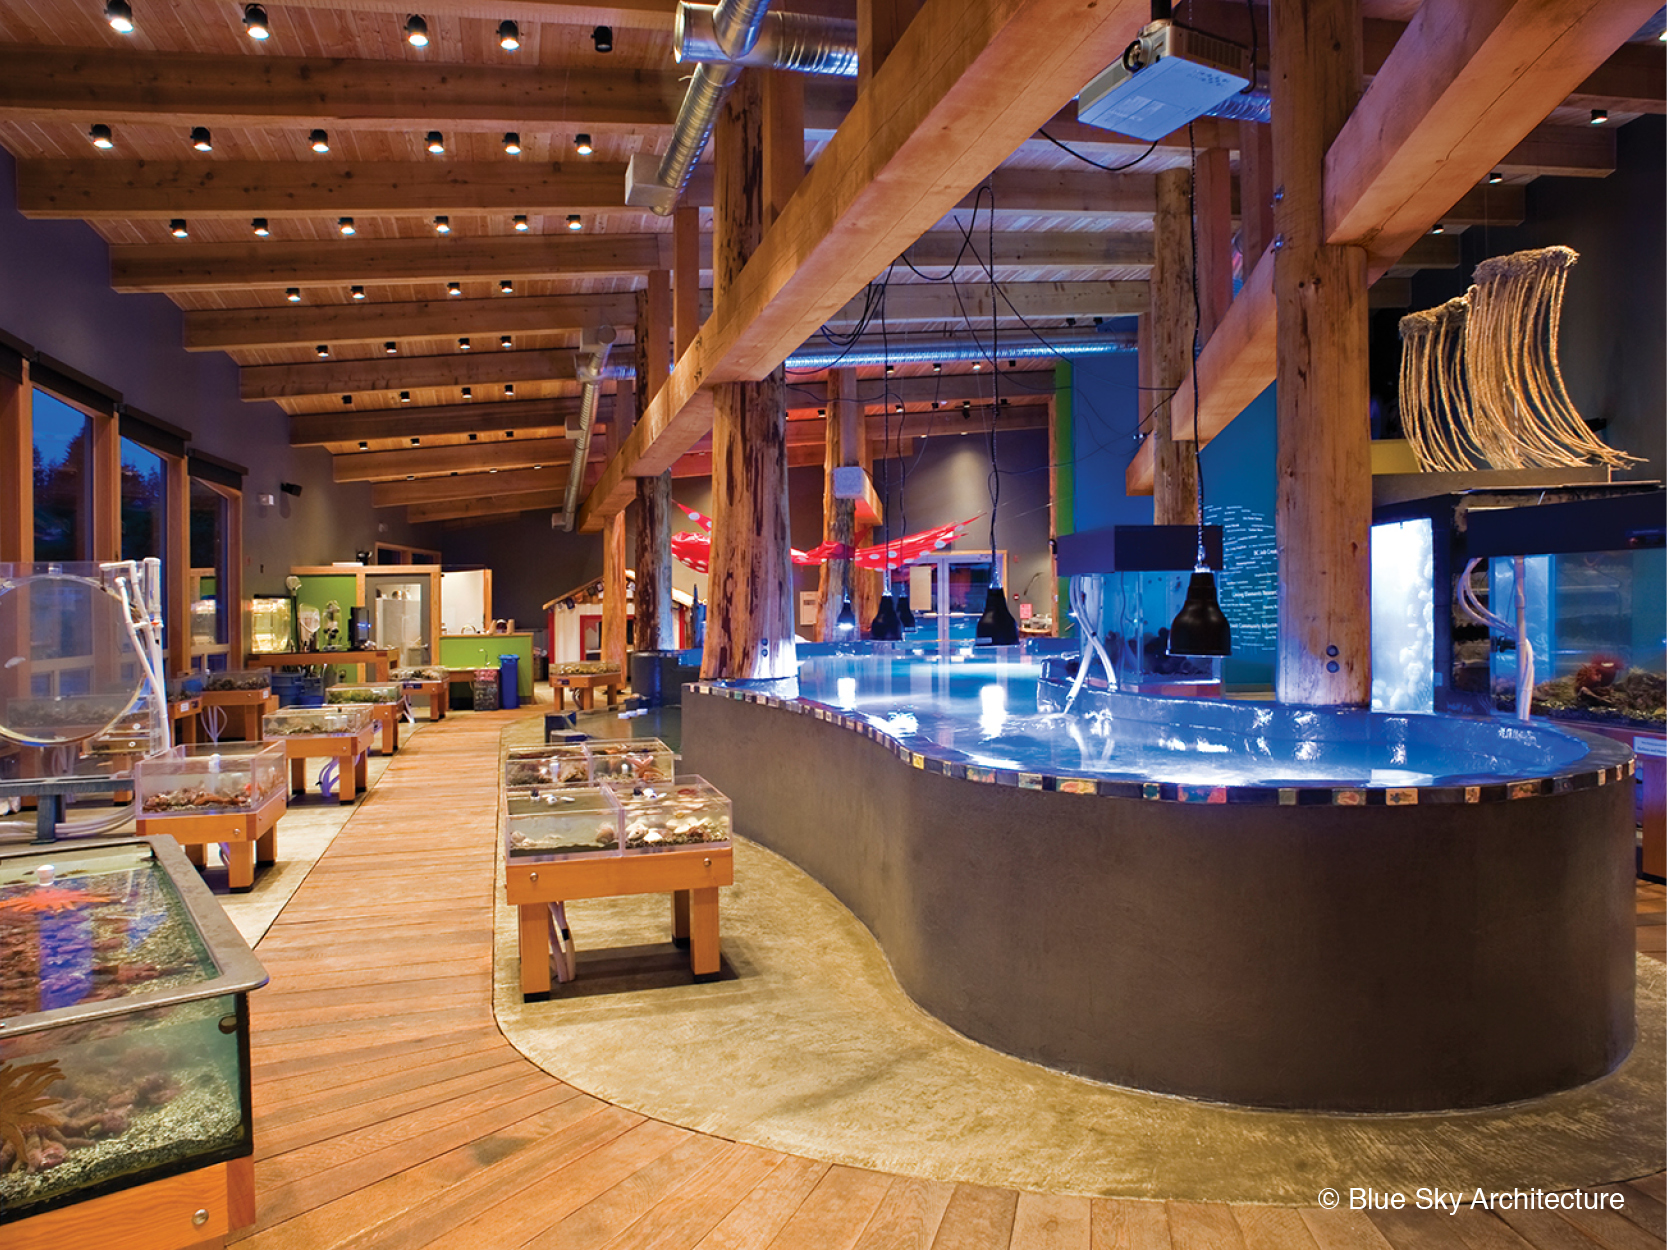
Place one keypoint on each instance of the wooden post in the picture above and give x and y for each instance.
(656, 627)
(749, 624)
(176, 570)
(1175, 481)
(839, 522)
(105, 432)
(880, 23)
(685, 264)
(1214, 195)
(1255, 192)
(784, 144)
(17, 469)
(613, 590)
(1323, 522)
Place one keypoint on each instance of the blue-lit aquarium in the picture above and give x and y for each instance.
(1403, 616)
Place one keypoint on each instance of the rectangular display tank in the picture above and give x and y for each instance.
(630, 759)
(366, 692)
(557, 824)
(124, 1023)
(238, 680)
(205, 779)
(271, 625)
(344, 718)
(671, 816)
(556, 765)
(1137, 608)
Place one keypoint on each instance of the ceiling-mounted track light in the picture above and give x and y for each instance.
(435, 143)
(602, 37)
(1600, 116)
(505, 342)
(322, 351)
(582, 145)
(357, 292)
(574, 223)
(468, 392)
(463, 345)
(512, 143)
(345, 225)
(506, 287)
(347, 399)
(390, 348)
(176, 227)
(521, 223)
(201, 139)
(509, 36)
(319, 141)
(101, 137)
(442, 225)
(120, 16)
(293, 294)
(416, 31)
(254, 22)
(509, 393)
(454, 288)
(405, 397)
(259, 226)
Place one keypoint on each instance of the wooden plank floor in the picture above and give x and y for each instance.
(390, 1112)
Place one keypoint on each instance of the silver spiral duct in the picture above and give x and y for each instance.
(593, 363)
(802, 42)
(1247, 106)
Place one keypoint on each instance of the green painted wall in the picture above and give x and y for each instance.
(483, 652)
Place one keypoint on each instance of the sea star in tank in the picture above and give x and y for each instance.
(50, 899)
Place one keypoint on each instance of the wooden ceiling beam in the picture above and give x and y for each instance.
(509, 453)
(235, 329)
(467, 486)
(875, 392)
(488, 367)
(524, 416)
(486, 506)
(213, 266)
(1561, 152)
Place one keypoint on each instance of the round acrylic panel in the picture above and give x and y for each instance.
(68, 665)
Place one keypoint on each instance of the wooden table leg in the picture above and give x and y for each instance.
(613, 696)
(266, 847)
(347, 773)
(586, 696)
(680, 918)
(703, 933)
(390, 733)
(240, 865)
(440, 703)
(298, 776)
(195, 852)
(361, 771)
(535, 948)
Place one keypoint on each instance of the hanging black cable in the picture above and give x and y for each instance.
(996, 625)
(885, 627)
(1088, 160)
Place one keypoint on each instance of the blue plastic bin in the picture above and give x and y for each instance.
(509, 682)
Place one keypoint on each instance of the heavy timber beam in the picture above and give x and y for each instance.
(208, 266)
(234, 329)
(1460, 60)
(486, 505)
(315, 429)
(509, 453)
(1019, 385)
(920, 302)
(965, 85)
(467, 486)
(347, 377)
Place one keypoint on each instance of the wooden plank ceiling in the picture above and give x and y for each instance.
(457, 401)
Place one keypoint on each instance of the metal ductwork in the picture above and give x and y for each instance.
(592, 364)
(1254, 105)
(722, 40)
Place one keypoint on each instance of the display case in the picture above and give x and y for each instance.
(1137, 608)
(239, 681)
(201, 780)
(1403, 616)
(669, 817)
(124, 1028)
(557, 824)
(367, 692)
(630, 759)
(135, 732)
(345, 718)
(556, 765)
(272, 625)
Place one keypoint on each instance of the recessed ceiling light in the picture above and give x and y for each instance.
(323, 350)
(512, 143)
(347, 399)
(442, 225)
(1496, 177)
(319, 141)
(416, 31)
(1438, 228)
(345, 225)
(120, 16)
(582, 145)
(363, 446)
(521, 223)
(509, 36)
(254, 21)
(509, 390)
(436, 143)
(259, 226)
(357, 292)
(603, 38)
(390, 348)
(101, 137)
(506, 287)
(463, 345)
(468, 392)
(201, 139)
(504, 341)
(176, 227)
(1599, 116)
(293, 294)
(454, 288)
(574, 223)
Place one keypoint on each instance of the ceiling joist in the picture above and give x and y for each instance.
(488, 367)
(520, 417)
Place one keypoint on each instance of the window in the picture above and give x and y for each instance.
(209, 517)
(63, 480)
(143, 494)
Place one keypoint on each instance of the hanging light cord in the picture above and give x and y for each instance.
(1197, 327)
(995, 383)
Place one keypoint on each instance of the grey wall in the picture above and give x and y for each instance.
(55, 295)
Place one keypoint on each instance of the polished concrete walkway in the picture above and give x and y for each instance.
(391, 1112)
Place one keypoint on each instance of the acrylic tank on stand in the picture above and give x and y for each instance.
(666, 816)
(212, 778)
(124, 1050)
(560, 823)
(343, 718)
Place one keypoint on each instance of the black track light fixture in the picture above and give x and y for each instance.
(176, 227)
(1200, 627)
(509, 36)
(1600, 117)
(454, 288)
(390, 348)
(260, 228)
(201, 139)
(509, 393)
(442, 225)
(119, 13)
(574, 222)
(293, 294)
(405, 397)
(512, 143)
(345, 225)
(505, 342)
(322, 351)
(463, 344)
(101, 137)
(416, 31)
(347, 399)
(506, 287)
(845, 625)
(468, 392)
(319, 141)
(435, 142)
(522, 225)
(357, 292)
(603, 38)
(255, 23)
(885, 626)
(582, 145)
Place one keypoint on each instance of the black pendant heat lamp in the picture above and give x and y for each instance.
(1200, 627)
(846, 622)
(996, 627)
(886, 627)
(905, 617)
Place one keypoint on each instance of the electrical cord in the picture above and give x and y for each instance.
(1197, 326)
(1088, 160)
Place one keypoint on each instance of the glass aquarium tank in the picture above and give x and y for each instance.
(1403, 616)
(1135, 613)
(630, 759)
(556, 765)
(344, 718)
(556, 824)
(138, 731)
(670, 816)
(124, 1023)
(209, 779)
(271, 625)
(238, 680)
(365, 692)
(1595, 621)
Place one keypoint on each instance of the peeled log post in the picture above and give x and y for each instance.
(1324, 510)
(839, 516)
(656, 627)
(749, 624)
(613, 590)
(1175, 477)
(1214, 200)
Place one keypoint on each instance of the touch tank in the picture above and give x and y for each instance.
(210, 779)
(239, 680)
(556, 765)
(365, 692)
(669, 816)
(345, 718)
(124, 1023)
(271, 625)
(632, 759)
(561, 823)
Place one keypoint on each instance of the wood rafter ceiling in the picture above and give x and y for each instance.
(1072, 243)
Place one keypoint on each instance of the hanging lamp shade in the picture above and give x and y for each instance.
(996, 627)
(886, 627)
(846, 622)
(905, 617)
(1200, 627)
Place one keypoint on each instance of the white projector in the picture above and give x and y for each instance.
(1169, 76)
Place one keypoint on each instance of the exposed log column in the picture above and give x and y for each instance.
(1175, 484)
(655, 624)
(1324, 512)
(17, 474)
(1214, 204)
(1255, 192)
(615, 585)
(749, 627)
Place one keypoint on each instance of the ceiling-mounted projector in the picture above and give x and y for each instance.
(1168, 76)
